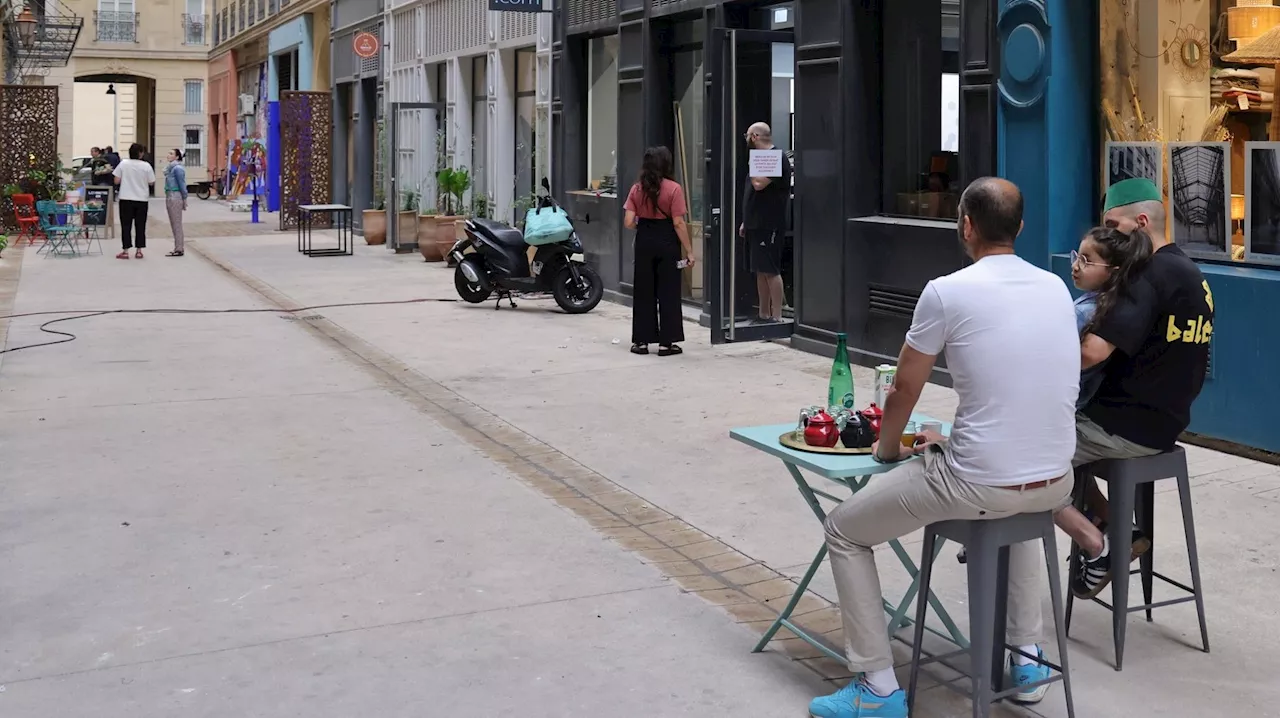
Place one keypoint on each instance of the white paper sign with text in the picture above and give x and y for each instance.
(764, 163)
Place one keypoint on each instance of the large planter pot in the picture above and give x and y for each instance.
(406, 229)
(375, 226)
(446, 234)
(427, 224)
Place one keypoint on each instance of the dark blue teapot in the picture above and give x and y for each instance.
(857, 432)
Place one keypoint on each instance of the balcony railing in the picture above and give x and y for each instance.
(195, 29)
(115, 26)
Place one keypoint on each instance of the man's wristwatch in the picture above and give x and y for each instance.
(876, 457)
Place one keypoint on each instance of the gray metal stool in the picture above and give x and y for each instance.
(987, 547)
(1130, 487)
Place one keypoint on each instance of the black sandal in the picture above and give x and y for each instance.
(174, 254)
(667, 350)
(639, 348)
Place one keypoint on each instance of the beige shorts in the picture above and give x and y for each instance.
(1093, 443)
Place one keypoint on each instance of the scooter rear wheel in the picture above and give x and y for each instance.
(472, 293)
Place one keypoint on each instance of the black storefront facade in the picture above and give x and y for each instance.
(887, 108)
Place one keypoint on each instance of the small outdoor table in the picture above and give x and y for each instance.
(851, 471)
(340, 215)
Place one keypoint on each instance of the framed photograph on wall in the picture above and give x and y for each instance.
(1262, 202)
(1127, 160)
(1200, 198)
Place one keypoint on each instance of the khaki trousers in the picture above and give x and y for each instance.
(903, 500)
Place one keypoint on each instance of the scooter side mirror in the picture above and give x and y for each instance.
(546, 184)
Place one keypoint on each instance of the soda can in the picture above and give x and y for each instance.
(885, 374)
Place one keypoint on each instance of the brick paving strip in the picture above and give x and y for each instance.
(750, 592)
(10, 274)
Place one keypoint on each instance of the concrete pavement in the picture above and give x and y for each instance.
(312, 501)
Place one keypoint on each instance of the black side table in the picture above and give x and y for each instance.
(340, 217)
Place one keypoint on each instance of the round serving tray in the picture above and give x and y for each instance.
(790, 441)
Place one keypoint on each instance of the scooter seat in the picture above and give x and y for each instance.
(499, 233)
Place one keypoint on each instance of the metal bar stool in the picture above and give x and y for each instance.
(1130, 488)
(987, 545)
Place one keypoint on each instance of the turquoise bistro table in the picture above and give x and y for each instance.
(851, 471)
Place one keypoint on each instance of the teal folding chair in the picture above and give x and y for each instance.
(61, 237)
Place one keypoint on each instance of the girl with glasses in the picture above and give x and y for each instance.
(1104, 268)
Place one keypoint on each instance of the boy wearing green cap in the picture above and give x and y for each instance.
(1157, 340)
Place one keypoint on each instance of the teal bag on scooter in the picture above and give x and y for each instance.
(546, 225)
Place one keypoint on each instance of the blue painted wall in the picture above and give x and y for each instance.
(293, 35)
(1044, 123)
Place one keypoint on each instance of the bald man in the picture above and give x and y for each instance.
(1009, 332)
(764, 225)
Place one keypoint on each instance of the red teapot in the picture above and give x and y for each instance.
(821, 430)
(874, 414)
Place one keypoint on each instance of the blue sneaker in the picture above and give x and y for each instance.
(857, 701)
(1025, 675)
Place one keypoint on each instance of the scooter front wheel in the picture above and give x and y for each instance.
(573, 298)
(471, 293)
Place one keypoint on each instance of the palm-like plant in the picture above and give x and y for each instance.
(453, 184)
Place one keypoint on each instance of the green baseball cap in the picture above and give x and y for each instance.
(1138, 189)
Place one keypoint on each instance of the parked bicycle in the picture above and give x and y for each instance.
(205, 190)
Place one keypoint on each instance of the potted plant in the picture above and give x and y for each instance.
(4, 242)
(427, 222)
(407, 220)
(375, 222)
(453, 183)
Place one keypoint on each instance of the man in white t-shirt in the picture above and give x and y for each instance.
(1009, 333)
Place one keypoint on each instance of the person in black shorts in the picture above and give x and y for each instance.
(764, 225)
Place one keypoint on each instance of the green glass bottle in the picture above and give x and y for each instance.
(840, 389)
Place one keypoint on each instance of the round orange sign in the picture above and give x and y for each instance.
(365, 44)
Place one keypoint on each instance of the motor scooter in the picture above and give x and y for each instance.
(499, 263)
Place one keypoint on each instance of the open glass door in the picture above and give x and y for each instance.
(749, 79)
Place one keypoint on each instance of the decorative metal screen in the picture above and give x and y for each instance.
(305, 148)
(516, 25)
(369, 65)
(583, 12)
(454, 27)
(29, 116)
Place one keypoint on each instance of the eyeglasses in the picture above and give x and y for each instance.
(1077, 258)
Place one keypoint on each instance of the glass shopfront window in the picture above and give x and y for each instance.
(602, 114)
(921, 112)
(526, 118)
(1197, 118)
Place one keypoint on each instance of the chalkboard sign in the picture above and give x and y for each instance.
(97, 202)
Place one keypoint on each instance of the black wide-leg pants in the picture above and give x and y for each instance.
(656, 316)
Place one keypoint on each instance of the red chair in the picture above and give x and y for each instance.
(24, 211)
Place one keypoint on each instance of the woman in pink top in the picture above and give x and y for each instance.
(655, 209)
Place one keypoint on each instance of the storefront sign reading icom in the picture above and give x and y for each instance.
(516, 5)
(365, 45)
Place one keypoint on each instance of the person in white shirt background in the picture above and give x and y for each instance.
(1009, 333)
(134, 176)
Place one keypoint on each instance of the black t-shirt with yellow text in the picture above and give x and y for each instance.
(1161, 331)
